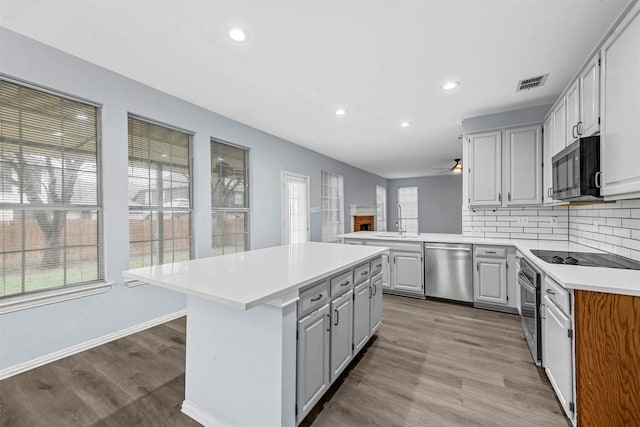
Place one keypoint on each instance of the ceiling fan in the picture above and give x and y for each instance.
(457, 168)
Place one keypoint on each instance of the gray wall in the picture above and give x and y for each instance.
(32, 333)
(439, 203)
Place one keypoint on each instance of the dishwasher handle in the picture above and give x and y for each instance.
(449, 248)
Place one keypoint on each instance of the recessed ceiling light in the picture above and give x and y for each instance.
(341, 112)
(237, 35)
(405, 124)
(450, 85)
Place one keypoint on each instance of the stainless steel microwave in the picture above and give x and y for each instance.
(576, 171)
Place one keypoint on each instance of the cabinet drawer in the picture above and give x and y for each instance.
(376, 266)
(361, 274)
(341, 284)
(559, 295)
(313, 298)
(489, 251)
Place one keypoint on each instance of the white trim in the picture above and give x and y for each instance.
(24, 302)
(133, 283)
(195, 412)
(69, 351)
(283, 204)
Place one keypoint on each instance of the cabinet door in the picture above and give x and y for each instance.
(490, 281)
(407, 272)
(313, 359)
(620, 110)
(524, 166)
(376, 303)
(590, 98)
(559, 127)
(573, 112)
(361, 308)
(547, 169)
(341, 333)
(557, 356)
(386, 272)
(485, 169)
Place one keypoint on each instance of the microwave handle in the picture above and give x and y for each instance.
(579, 128)
(573, 131)
(598, 179)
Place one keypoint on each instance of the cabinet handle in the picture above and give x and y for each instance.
(550, 292)
(316, 298)
(509, 195)
(598, 179)
(491, 252)
(370, 292)
(364, 273)
(500, 197)
(337, 317)
(329, 318)
(378, 265)
(345, 283)
(394, 259)
(375, 290)
(550, 192)
(578, 128)
(540, 311)
(573, 131)
(477, 267)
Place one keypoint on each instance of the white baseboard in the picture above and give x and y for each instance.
(57, 355)
(200, 415)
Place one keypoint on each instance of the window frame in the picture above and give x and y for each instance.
(247, 208)
(383, 209)
(64, 292)
(191, 135)
(284, 210)
(417, 217)
(324, 196)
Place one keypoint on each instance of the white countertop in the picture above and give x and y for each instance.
(597, 279)
(247, 279)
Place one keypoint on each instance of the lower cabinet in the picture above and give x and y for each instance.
(313, 372)
(341, 333)
(406, 272)
(361, 311)
(386, 272)
(375, 318)
(491, 281)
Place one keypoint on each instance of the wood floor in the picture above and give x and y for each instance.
(432, 364)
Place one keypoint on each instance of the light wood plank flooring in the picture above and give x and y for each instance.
(432, 364)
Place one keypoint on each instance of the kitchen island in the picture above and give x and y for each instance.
(242, 324)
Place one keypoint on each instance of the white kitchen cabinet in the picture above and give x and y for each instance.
(484, 165)
(620, 109)
(559, 126)
(376, 303)
(361, 316)
(386, 272)
(557, 353)
(313, 372)
(523, 152)
(547, 167)
(407, 272)
(341, 333)
(490, 281)
(589, 83)
(573, 112)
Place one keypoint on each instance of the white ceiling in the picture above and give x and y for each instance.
(384, 61)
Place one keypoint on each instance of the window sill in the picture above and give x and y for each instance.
(24, 302)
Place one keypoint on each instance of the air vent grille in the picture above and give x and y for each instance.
(531, 82)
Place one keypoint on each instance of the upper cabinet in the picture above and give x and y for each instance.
(620, 102)
(589, 83)
(559, 130)
(505, 167)
(547, 149)
(485, 169)
(573, 112)
(523, 152)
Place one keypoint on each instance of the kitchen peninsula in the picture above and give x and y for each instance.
(251, 324)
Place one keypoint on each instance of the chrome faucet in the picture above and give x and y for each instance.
(399, 224)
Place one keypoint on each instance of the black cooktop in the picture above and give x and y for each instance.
(587, 259)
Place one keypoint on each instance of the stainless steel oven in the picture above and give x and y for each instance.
(529, 282)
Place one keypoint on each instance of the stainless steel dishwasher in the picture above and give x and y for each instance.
(449, 271)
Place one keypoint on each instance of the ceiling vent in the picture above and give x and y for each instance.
(532, 82)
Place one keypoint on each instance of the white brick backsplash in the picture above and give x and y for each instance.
(631, 223)
(517, 223)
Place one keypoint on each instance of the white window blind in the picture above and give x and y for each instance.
(381, 208)
(408, 201)
(332, 206)
(295, 208)
(229, 198)
(159, 194)
(49, 191)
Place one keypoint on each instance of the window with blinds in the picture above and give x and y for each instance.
(381, 208)
(50, 204)
(229, 198)
(408, 201)
(159, 194)
(332, 206)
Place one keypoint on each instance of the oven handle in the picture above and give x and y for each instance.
(540, 311)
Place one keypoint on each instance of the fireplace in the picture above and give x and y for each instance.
(363, 218)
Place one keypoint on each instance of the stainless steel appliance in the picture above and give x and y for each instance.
(449, 271)
(529, 282)
(576, 171)
(587, 259)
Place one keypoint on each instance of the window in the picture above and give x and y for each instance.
(295, 208)
(229, 198)
(332, 206)
(159, 194)
(408, 208)
(50, 204)
(381, 208)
